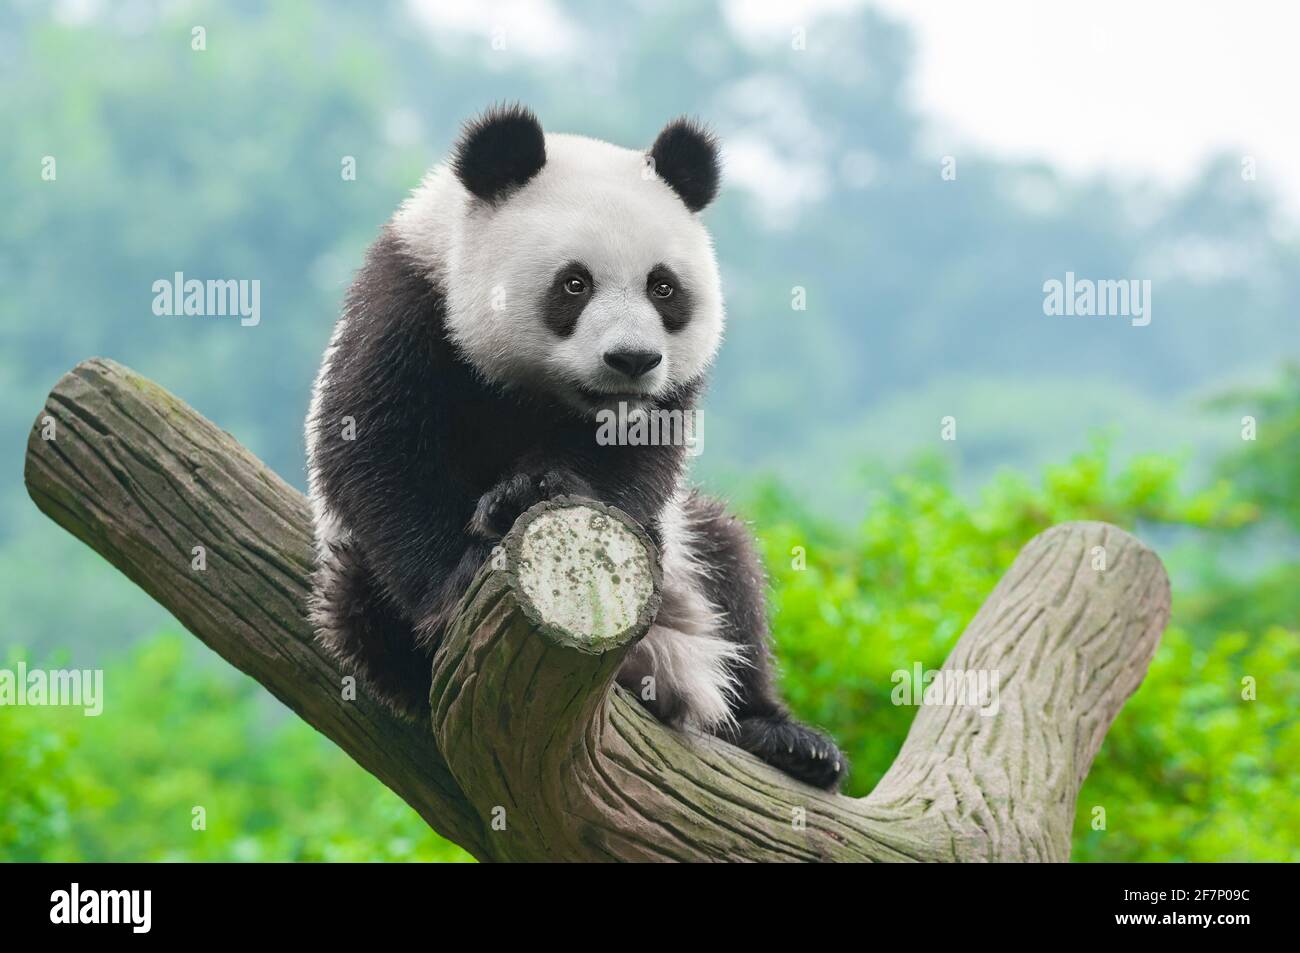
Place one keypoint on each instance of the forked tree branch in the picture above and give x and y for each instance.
(534, 753)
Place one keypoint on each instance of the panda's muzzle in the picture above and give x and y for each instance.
(633, 364)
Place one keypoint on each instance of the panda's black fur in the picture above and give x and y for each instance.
(422, 463)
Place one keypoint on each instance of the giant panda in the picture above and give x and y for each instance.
(528, 283)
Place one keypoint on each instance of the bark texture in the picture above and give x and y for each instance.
(533, 752)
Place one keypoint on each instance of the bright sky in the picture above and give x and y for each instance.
(1146, 88)
(1133, 87)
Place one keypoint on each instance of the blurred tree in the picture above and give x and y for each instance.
(923, 299)
(1267, 467)
(178, 734)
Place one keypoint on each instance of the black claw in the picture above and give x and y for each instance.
(498, 509)
(801, 752)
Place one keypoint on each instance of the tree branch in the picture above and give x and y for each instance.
(141, 478)
(534, 753)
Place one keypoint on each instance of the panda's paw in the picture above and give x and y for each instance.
(498, 508)
(803, 753)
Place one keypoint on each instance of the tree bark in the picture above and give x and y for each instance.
(533, 752)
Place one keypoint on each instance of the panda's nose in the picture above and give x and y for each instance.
(633, 363)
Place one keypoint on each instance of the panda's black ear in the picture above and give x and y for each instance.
(686, 157)
(499, 151)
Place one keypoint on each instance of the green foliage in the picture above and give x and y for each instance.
(1190, 771)
(178, 733)
(43, 789)
(1268, 468)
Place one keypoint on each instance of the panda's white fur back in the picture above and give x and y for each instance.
(683, 646)
(328, 528)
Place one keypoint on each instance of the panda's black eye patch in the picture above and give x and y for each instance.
(564, 300)
(670, 298)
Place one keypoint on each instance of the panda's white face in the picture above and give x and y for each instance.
(592, 281)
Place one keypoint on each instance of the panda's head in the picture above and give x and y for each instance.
(572, 266)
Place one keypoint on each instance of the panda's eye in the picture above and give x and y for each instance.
(575, 285)
(661, 289)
